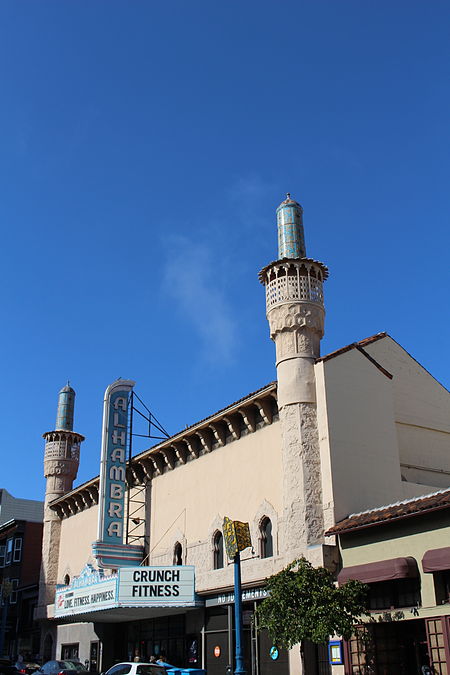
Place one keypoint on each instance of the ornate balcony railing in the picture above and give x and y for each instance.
(287, 287)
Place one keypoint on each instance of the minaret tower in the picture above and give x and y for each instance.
(295, 311)
(61, 460)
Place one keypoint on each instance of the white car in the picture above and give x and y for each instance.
(135, 668)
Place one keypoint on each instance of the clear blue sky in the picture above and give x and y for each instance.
(144, 149)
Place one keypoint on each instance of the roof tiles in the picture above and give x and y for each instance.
(386, 514)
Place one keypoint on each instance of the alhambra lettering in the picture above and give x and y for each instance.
(116, 470)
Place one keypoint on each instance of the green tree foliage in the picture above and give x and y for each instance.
(305, 604)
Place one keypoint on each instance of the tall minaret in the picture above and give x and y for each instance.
(61, 460)
(295, 311)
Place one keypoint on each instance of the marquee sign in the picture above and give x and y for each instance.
(162, 586)
(131, 587)
(89, 592)
(109, 548)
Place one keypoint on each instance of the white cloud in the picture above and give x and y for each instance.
(192, 277)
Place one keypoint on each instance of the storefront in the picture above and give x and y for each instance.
(260, 656)
(409, 595)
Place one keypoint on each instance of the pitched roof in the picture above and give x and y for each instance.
(360, 347)
(353, 345)
(392, 512)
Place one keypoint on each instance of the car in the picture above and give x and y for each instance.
(27, 667)
(79, 667)
(136, 668)
(68, 667)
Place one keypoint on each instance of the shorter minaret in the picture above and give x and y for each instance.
(61, 460)
(295, 311)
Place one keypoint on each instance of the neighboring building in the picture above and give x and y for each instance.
(363, 426)
(20, 559)
(23, 509)
(401, 551)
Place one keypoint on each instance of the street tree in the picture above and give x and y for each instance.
(304, 603)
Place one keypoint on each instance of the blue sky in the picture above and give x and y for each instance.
(144, 149)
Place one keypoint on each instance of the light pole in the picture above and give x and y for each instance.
(238, 616)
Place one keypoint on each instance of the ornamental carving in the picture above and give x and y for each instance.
(290, 317)
(304, 342)
(54, 467)
(302, 486)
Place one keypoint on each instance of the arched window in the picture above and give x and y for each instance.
(178, 554)
(266, 538)
(67, 580)
(218, 550)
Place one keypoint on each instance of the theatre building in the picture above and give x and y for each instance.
(133, 560)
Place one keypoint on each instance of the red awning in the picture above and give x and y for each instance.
(385, 570)
(436, 560)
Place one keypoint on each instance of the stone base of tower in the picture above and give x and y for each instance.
(302, 493)
(50, 556)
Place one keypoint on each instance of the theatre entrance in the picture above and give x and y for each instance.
(259, 657)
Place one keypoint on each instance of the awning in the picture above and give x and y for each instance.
(436, 560)
(384, 570)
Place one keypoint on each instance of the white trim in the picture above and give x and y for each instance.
(17, 551)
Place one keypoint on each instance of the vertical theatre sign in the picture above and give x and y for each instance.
(109, 549)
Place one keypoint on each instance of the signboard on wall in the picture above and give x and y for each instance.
(157, 586)
(248, 595)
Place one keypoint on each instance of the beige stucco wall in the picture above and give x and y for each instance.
(357, 432)
(410, 537)
(422, 414)
(241, 480)
(411, 490)
(77, 535)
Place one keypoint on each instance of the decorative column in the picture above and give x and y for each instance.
(295, 311)
(61, 460)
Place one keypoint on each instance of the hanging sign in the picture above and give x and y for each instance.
(113, 462)
(236, 535)
(109, 548)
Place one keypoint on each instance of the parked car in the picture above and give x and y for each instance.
(133, 668)
(27, 667)
(62, 668)
(79, 667)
